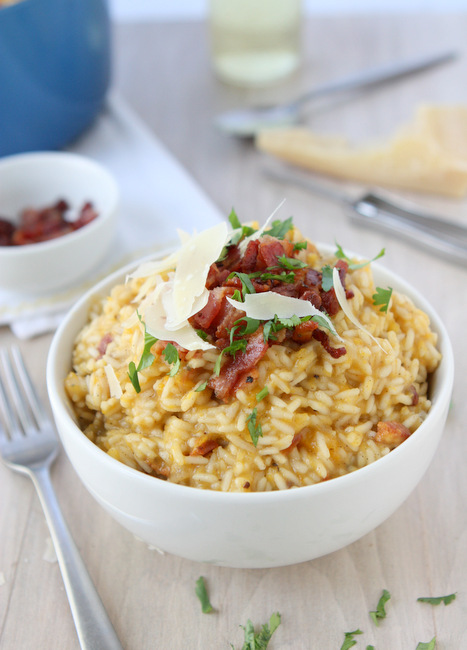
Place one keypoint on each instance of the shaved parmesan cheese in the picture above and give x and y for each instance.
(114, 384)
(346, 308)
(155, 319)
(146, 269)
(426, 155)
(168, 302)
(259, 233)
(266, 305)
(183, 236)
(195, 258)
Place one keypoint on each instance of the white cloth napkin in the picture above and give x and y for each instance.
(157, 197)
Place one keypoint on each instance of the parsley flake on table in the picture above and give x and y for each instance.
(260, 640)
(349, 640)
(429, 645)
(352, 265)
(201, 592)
(382, 298)
(438, 600)
(171, 356)
(254, 427)
(380, 612)
(146, 357)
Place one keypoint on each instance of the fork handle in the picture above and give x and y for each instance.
(94, 628)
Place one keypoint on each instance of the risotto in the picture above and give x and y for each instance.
(247, 361)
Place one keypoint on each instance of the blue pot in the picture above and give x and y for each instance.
(54, 71)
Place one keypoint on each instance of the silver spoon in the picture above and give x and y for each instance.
(246, 122)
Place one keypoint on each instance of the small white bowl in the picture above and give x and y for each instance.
(38, 180)
(252, 530)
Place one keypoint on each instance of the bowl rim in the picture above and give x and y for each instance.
(67, 158)
(58, 397)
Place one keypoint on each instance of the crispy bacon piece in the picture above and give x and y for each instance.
(323, 338)
(303, 333)
(205, 447)
(234, 372)
(295, 441)
(415, 396)
(44, 224)
(103, 343)
(204, 318)
(391, 433)
(248, 263)
(217, 275)
(87, 215)
(6, 232)
(270, 249)
(160, 469)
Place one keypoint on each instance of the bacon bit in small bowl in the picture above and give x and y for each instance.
(38, 225)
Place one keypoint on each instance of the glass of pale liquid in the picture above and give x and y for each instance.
(255, 42)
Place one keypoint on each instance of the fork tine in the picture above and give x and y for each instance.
(20, 412)
(7, 413)
(28, 387)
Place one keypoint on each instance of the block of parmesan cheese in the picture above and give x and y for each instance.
(428, 155)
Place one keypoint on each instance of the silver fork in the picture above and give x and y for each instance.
(29, 445)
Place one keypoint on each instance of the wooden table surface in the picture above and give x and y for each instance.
(163, 72)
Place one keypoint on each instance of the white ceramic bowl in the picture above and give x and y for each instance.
(38, 180)
(249, 530)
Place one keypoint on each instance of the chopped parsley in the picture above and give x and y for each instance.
(262, 394)
(232, 349)
(380, 612)
(370, 647)
(438, 600)
(254, 427)
(247, 286)
(277, 324)
(327, 282)
(429, 645)
(201, 387)
(237, 296)
(251, 325)
(291, 262)
(234, 220)
(279, 228)
(172, 358)
(349, 640)
(202, 594)
(352, 265)
(146, 358)
(288, 278)
(260, 640)
(202, 334)
(382, 298)
(300, 246)
(238, 233)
